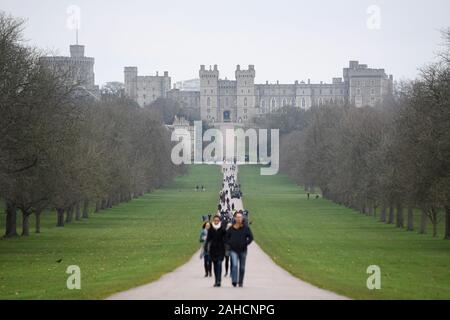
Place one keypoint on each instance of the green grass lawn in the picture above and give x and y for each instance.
(331, 246)
(116, 249)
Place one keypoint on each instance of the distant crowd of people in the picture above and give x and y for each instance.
(197, 188)
(226, 236)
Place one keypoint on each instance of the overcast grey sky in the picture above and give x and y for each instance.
(286, 40)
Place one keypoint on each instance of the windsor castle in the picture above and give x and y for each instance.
(221, 100)
(239, 100)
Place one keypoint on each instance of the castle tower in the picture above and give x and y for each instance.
(166, 83)
(209, 93)
(78, 68)
(131, 74)
(76, 51)
(366, 86)
(245, 93)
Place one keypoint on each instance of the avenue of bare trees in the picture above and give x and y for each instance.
(388, 161)
(64, 152)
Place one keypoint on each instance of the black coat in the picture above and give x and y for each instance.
(239, 239)
(215, 242)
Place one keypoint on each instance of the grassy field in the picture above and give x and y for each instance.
(116, 249)
(332, 246)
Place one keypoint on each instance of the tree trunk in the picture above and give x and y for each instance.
(423, 221)
(391, 214)
(97, 206)
(434, 229)
(370, 209)
(77, 211)
(25, 223)
(69, 214)
(38, 220)
(11, 220)
(103, 205)
(362, 207)
(400, 217)
(434, 221)
(410, 219)
(60, 217)
(447, 223)
(383, 213)
(86, 209)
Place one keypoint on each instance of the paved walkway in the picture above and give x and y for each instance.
(264, 280)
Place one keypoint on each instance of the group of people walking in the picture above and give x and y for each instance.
(226, 236)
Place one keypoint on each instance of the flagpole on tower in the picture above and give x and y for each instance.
(76, 32)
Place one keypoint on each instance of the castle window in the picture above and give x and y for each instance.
(245, 110)
(358, 91)
(245, 102)
(303, 103)
(273, 104)
(372, 91)
(208, 102)
(331, 91)
(284, 102)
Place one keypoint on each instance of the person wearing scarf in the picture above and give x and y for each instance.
(216, 247)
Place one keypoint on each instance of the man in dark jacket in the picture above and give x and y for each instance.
(238, 237)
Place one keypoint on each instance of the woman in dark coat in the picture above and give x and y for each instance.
(216, 247)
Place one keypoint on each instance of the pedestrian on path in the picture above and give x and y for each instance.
(204, 252)
(238, 237)
(216, 245)
(227, 248)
